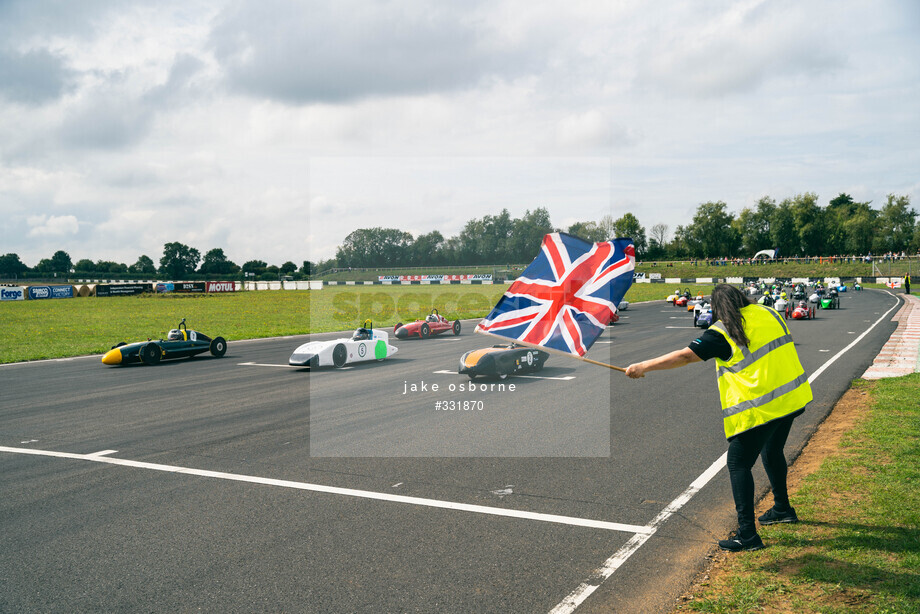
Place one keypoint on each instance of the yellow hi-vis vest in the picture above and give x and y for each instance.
(763, 381)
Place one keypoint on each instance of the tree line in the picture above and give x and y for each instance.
(177, 262)
(797, 227)
(492, 239)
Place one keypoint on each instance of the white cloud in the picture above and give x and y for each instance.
(52, 226)
(256, 126)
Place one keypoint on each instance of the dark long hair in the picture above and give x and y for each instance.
(727, 302)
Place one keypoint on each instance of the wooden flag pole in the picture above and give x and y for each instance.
(550, 350)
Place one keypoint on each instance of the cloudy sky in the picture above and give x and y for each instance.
(272, 129)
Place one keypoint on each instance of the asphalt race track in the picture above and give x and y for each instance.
(198, 484)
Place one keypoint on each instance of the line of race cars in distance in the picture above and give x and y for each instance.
(796, 307)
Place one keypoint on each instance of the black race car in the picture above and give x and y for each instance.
(501, 361)
(179, 343)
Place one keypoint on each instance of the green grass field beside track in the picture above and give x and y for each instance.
(815, 269)
(34, 330)
(857, 547)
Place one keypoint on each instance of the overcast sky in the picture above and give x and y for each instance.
(272, 129)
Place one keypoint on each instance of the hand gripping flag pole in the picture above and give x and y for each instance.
(565, 298)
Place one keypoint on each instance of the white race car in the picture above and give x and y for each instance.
(366, 344)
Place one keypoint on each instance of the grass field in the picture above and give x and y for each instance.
(686, 270)
(33, 330)
(857, 548)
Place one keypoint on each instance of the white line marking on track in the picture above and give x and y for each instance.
(103, 453)
(348, 492)
(680, 326)
(586, 588)
(260, 364)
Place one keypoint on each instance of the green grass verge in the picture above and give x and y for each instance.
(858, 546)
(34, 330)
(686, 270)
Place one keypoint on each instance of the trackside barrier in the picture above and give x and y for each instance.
(12, 293)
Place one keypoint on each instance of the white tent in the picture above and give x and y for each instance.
(767, 253)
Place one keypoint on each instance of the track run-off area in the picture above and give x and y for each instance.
(243, 484)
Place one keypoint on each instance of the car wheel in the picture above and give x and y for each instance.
(456, 327)
(218, 347)
(339, 356)
(151, 354)
(396, 328)
(119, 344)
(425, 330)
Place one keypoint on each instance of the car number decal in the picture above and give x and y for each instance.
(362, 350)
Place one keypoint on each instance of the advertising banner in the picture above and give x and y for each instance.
(182, 286)
(40, 292)
(221, 286)
(12, 293)
(482, 277)
(122, 289)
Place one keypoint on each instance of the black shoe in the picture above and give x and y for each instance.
(737, 544)
(774, 517)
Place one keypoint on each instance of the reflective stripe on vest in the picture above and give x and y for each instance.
(763, 381)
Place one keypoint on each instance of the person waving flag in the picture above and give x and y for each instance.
(566, 297)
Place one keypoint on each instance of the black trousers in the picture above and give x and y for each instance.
(766, 441)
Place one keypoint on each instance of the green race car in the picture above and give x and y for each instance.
(179, 343)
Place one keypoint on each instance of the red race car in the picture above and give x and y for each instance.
(801, 312)
(682, 298)
(433, 324)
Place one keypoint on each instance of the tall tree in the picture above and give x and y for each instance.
(896, 223)
(607, 226)
(840, 209)
(809, 224)
(143, 266)
(60, 262)
(711, 234)
(860, 230)
(528, 234)
(783, 231)
(288, 268)
(216, 263)
(368, 247)
(426, 249)
(84, 265)
(659, 233)
(679, 247)
(256, 267)
(178, 260)
(108, 266)
(11, 267)
(589, 231)
(629, 226)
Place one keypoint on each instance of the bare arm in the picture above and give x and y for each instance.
(672, 360)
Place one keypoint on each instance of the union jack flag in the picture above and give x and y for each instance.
(567, 296)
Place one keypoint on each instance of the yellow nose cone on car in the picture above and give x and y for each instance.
(112, 357)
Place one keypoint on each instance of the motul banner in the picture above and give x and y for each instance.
(221, 286)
